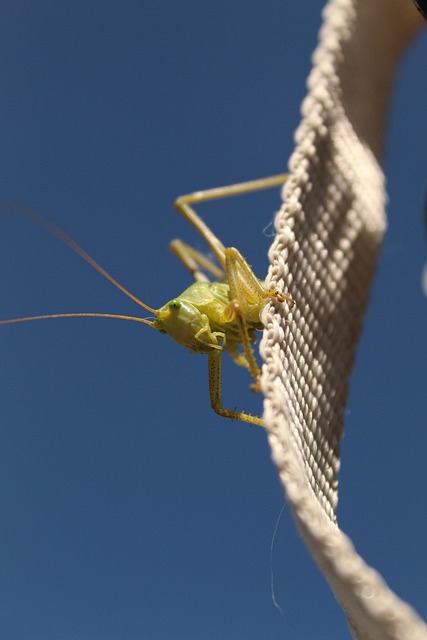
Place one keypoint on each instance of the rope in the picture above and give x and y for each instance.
(329, 234)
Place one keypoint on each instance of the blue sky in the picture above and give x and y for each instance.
(129, 509)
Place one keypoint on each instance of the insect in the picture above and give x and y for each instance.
(208, 317)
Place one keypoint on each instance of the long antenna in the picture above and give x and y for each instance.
(78, 315)
(45, 223)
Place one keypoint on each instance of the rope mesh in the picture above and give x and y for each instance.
(329, 234)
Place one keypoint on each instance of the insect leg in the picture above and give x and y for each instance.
(239, 315)
(192, 260)
(247, 294)
(244, 285)
(214, 365)
(183, 205)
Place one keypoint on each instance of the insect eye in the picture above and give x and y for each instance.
(174, 304)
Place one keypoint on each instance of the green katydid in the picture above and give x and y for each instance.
(208, 317)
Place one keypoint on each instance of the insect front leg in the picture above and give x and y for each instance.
(214, 368)
(212, 337)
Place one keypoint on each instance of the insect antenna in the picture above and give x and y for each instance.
(49, 226)
(117, 316)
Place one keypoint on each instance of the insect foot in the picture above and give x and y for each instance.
(280, 296)
(255, 386)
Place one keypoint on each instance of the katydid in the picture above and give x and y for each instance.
(208, 317)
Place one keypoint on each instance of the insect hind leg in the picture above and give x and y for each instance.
(183, 205)
(214, 368)
(194, 261)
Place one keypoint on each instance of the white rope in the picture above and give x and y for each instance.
(329, 233)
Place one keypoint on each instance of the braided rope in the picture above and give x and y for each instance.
(329, 234)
